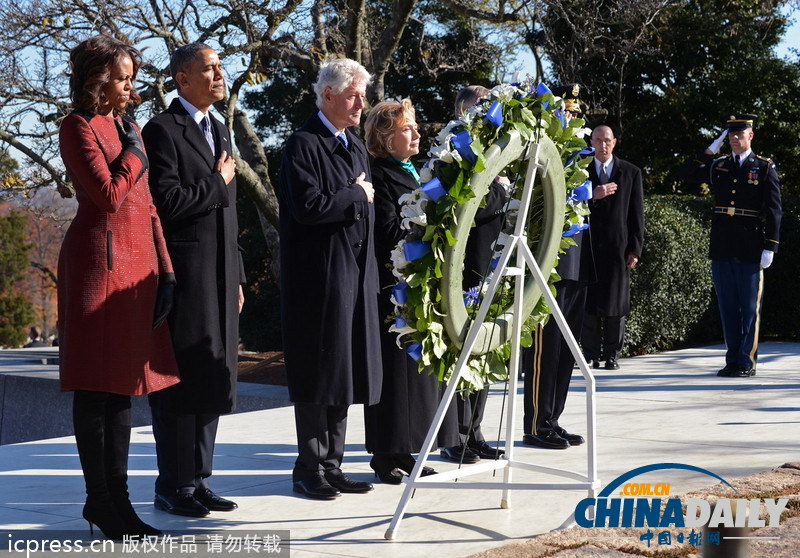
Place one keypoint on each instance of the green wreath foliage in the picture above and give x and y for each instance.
(428, 217)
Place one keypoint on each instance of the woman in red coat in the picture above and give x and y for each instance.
(115, 279)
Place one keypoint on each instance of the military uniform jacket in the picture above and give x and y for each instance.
(329, 274)
(747, 205)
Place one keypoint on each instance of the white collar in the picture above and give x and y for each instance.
(743, 156)
(609, 165)
(193, 111)
(331, 127)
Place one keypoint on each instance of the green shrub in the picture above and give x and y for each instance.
(671, 287)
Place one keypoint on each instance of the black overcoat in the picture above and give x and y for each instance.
(198, 214)
(617, 225)
(329, 276)
(409, 399)
(489, 221)
(753, 187)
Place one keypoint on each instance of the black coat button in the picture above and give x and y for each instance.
(358, 216)
(359, 244)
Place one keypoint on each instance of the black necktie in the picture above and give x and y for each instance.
(603, 175)
(736, 159)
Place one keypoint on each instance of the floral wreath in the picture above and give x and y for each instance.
(429, 215)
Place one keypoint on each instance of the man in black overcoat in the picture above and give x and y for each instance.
(192, 179)
(745, 231)
(329, 280)
(617, 224)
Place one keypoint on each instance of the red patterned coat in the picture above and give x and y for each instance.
(108, 268)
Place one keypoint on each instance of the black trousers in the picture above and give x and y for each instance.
(548, 363)
(321, 431)
(184, 450)
(602, 337)
(470, 415)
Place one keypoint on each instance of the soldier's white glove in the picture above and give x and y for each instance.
(766, 258)
(716, 145)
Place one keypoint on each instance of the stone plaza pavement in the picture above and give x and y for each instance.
(668, 407)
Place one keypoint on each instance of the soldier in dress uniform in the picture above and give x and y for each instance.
(744, 235)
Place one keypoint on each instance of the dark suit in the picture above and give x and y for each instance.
(617, 224)
(329, 291)
(548, 363)
(198, 214)
(746, 221)
(480, 247)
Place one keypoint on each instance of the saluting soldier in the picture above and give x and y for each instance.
(744, 235)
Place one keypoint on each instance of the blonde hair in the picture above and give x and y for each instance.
(382, 121)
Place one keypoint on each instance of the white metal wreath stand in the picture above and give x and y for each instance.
(517, 244)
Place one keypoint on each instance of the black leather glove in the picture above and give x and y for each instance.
(128, 134)
(164, 298)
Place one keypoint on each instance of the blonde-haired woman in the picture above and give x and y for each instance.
(396, 427)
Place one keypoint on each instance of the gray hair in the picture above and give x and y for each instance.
(184, 56)
(468, 96)
(338, 75)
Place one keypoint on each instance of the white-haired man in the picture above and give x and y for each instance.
(329, 279)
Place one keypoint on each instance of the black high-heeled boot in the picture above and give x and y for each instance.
(385, 468)
(117, 446)
(407, 462)
(88, 419)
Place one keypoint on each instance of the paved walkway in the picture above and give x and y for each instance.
(668, 407)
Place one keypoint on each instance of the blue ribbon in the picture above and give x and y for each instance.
(541, 89)
(415, 250)
(433, 189)
(414, 351)
(400, 292)
(399, 322)
(575, 228)
(461, 142)
(582, 192)
(560, 115)
(584, 151)
(495, 114)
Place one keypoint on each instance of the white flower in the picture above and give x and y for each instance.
(504, 92)
(425, 175)
(401, 331)
(398, 258)
(447, 132)
(444, 153)
(414, 213)
(502, 240)
(582, 132)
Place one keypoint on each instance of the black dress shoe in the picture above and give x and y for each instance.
(316, 487)
(612, 364)
(460, 454)
(343, 483)
(742, 373)
(728, 370)
(595, 363)
(573, 439)
(547, 440)
(180, 504)
(213, 502)
(484, 450)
